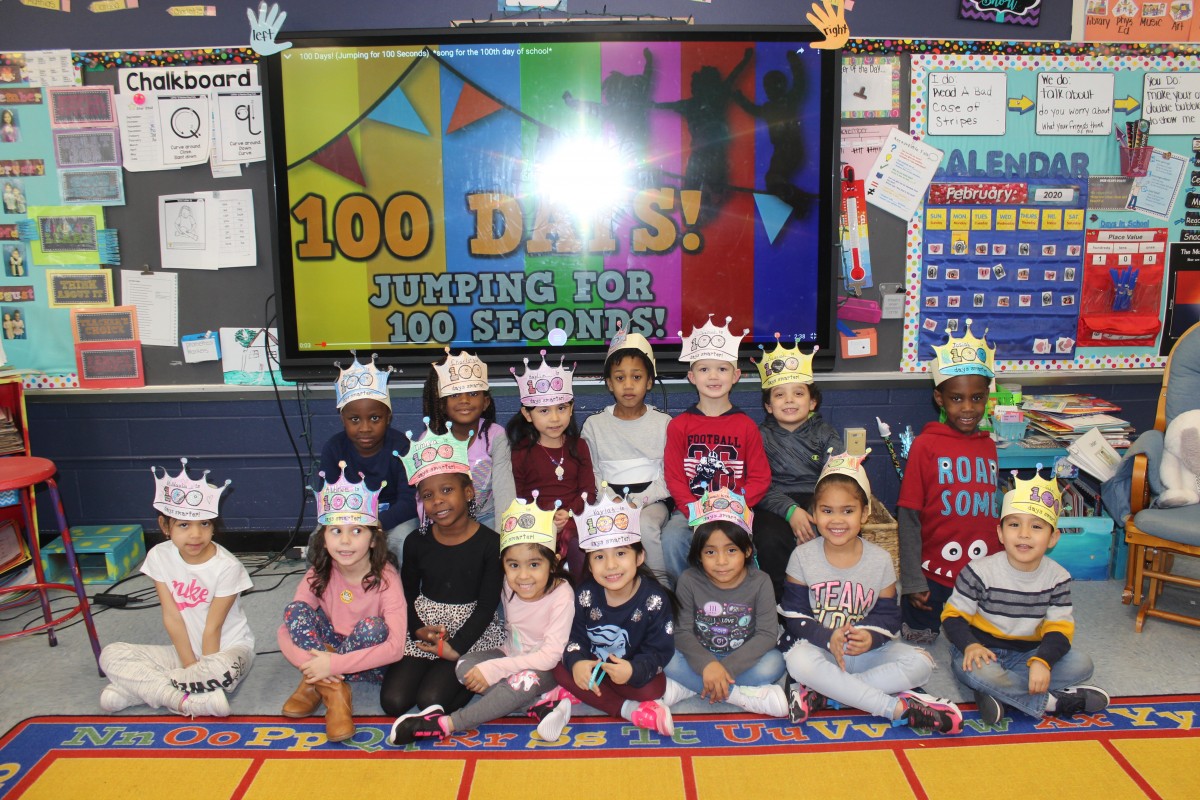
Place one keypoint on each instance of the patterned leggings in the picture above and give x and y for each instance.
(312, 630)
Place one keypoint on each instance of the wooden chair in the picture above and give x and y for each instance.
(1156, 535)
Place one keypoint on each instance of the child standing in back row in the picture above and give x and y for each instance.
(712, 445)
(797, 441)
(1010, 621)
(627, 439)
(198, 583)
(366, 443)
(947, 514)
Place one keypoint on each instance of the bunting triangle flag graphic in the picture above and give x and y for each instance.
(339, 157)
(773, 212)
(472, 106)
(397, 110)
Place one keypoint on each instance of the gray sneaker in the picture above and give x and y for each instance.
(1081, 699)
(991, 710)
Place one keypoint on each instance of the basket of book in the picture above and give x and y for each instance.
(881, 529)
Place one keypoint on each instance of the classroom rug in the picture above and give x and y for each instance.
(1138, 747)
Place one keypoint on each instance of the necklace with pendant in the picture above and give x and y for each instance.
(559, 472)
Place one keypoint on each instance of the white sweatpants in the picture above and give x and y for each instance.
(155, 674)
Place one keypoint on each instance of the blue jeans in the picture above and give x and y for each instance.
(1007, 678)
(767, 670)
(676, 538)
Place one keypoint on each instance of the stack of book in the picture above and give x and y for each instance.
(11, 440)
(1066, 417)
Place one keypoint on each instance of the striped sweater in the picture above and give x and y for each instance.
(1003, 608)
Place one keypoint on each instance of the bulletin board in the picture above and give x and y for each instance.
(208, 299)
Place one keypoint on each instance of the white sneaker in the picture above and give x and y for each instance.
(114, 698)
(770, 700)
(206, 704)
(550, 725)
(675, 693)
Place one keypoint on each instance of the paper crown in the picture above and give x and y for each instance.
(362, 382)
(623, 340)
(966, 356)
(345, 503)
(525, 523)
(434, 454)
(723, 505)
(1038, 496)
(785, 365)
(848, 465)
(612, 522)
(461, 373)
(181, 497)
(544, 386)
(709, 341)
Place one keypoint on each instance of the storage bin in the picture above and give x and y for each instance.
(1085, 545)
(106, 553)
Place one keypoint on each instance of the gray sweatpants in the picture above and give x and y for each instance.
(155, 675)
(517, 692)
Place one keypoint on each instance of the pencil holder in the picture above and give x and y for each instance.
(1135, 161)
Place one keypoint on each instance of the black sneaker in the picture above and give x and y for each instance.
(421, 725)
(1080, 699)
(991, 710)
(930, 713)
(803, 702)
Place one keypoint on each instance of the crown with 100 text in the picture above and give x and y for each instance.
(849, 465)
(709, 341)
(1038, 496)
(785, 365)
(968, 355)
(723, 505)
(346, 503)
(545, 386)
(181, 497)
(525, 523)
(612, 522)
(464, 372)
(435, 454)
(362, 382)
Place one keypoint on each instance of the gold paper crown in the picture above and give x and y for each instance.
(969, 355)
(525, 523)
(785, 365)
(464, 372)
(1038, 496)
(709, 341)
(848, 465)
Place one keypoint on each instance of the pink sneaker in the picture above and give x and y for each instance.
(655, 716)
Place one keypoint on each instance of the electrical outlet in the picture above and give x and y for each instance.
(856, 441)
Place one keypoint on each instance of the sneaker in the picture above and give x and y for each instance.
(205, 704)
(991, 710)
(918, 635)
(113, 698)
(421, 725)
(654, 716)
(803, 702)
(552, 717)
(930, 713)
(675, 692)
(1080, 699)
(770, 701)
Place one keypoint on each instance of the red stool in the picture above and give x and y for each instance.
(22, 473)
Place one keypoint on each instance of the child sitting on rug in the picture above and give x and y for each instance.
(841, 617)
(623, 634)
(539, 607)
(348, 619)
(1010, 621)
(198, 582)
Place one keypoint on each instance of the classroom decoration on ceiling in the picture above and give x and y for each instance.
(1058, 215)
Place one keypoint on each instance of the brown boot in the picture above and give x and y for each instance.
(339, 710)
(303, 702)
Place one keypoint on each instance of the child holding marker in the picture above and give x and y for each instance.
(198, 584)
(545, 453)
(841, 617)
(348, 619)
(539, 607)
(457, 392)
(1010, 621)
(627, 439)
(366, 443)
(947, 505)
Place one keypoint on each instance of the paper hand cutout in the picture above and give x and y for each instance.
(265, 28)
(829, 17)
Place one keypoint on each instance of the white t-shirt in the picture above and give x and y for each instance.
(193, 586)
